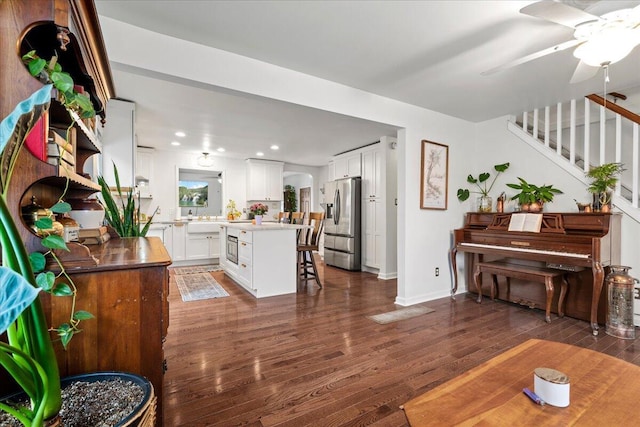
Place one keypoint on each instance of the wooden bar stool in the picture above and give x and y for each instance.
(308, 243)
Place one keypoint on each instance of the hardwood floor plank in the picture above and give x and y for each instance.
(315, 359)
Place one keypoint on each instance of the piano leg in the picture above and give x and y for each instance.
(598, 279)
(478, 283)
(454, 267)
(548, 284)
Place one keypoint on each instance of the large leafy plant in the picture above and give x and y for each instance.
(28, 354)
(482, 183)
(531, 193)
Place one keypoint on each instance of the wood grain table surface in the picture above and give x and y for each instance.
(604, 391)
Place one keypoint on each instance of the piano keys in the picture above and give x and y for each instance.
(568, 241)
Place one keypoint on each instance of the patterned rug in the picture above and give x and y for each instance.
(199, 286)
(401, 314)
(195, 269)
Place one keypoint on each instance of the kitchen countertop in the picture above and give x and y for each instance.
(265, 227)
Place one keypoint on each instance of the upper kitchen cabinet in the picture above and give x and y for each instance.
(144, 171)
(372, 173)
(118, 143)
(345, 166)
(264, 180)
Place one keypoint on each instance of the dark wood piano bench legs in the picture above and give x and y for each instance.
(543, 275)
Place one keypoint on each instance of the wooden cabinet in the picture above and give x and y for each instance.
(127, 292)
(264, 180)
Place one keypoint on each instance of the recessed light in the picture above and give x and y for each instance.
(220, 150)
(181, 134)
(175, 143)
(260, 154)
(274, 147)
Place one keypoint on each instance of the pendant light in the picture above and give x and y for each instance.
(205, 161)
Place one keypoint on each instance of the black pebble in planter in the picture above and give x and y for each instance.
(144, 414)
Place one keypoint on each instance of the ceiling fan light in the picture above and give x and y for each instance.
(204, 160)
(607, 47)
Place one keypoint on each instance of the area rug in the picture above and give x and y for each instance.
(199, 286)
(401, 314)
(195, 269)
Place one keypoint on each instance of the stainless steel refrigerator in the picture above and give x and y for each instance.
(342, 223)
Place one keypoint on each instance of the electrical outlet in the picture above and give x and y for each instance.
(437, 271)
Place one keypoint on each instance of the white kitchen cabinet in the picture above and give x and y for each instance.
(373, 248)
(222, 248)
(372, 172)
(144, 171)
(202, 246)
(118, 143)
(179, 241)
(165, 232)
(266, 259)
(264, 180)
(346, 165)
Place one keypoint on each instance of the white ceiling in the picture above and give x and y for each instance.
(426, 53)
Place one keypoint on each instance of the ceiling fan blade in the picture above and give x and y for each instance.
(531, 57)
(583, 72)
(559, 13)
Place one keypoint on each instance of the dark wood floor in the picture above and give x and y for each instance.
(314, 358)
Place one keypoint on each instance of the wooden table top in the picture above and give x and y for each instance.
(604, 391)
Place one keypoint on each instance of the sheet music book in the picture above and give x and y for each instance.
(529, 222)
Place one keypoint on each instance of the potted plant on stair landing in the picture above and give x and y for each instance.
(485, 203)
(603, 181)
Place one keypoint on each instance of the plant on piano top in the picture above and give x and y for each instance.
(532, 197)
(603, 180)
(483, 186)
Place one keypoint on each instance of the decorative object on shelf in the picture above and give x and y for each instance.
(500, 202)
(125, 219)
(603, 181)
(205, 161)
(620, 288)
(532, 197)
(28, 356)
(484, 188)
(434, 175)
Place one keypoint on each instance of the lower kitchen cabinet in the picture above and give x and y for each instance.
(202, 246)
(179, 252)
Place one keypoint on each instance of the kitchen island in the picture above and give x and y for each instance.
(260, 258)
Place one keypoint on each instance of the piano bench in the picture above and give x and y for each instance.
(525, 272)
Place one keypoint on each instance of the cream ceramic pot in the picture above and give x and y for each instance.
(88, 213)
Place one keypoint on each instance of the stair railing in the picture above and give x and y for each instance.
(609, 133)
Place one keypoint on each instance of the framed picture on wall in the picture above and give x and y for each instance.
(193, 193)
(434, 175)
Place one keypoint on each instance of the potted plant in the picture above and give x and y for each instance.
(531, 197)
(603, 181)
(125, 217)
(483, 187)
(290, 199)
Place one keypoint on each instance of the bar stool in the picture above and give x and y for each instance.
(283, 217)
(307, 244)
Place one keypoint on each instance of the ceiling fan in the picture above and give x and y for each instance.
(600, 40)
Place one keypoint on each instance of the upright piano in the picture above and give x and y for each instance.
(566, 241)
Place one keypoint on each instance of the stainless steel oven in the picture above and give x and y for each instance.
(232, 249)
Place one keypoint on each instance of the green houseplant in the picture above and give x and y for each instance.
(533, 197)
(124, 217)
(483, 186)
(603, 181)
(290, 199)
(28, 354)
